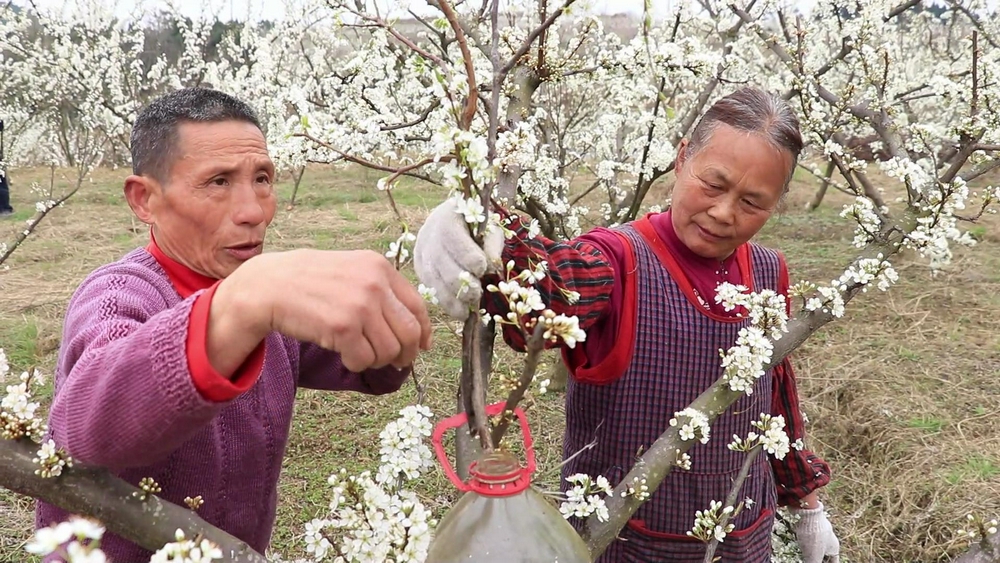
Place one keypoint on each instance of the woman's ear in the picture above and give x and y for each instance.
(681, 157)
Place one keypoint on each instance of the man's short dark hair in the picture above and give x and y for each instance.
(154, 134)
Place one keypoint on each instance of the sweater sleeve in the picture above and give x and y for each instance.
(577, 265)
(801, 471)
(323, 369)
(124, 394)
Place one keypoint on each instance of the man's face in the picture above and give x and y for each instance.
(726, 191)
(212, 212)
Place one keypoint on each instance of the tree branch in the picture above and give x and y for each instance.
(535, 346)
(368, 163)
(97, 493)
(526, 46)
(470, 71)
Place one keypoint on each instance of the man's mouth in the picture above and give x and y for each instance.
(245, 251)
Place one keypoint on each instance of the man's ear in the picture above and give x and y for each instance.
(141, 193)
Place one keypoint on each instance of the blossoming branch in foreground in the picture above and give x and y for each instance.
(374, 518)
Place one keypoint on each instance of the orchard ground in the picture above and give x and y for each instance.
(903, 394)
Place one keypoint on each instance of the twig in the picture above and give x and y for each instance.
(470, 70)
(379, 22)
(22, 235)
(368, 163)
(731, 500)
(535, 346)
(523, 49)
(418, 387)
(417, 121)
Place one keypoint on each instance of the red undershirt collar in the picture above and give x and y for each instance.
(185, 280)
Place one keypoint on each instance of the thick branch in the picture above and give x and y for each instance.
(470, 71)
(900, 9)
(96, 493)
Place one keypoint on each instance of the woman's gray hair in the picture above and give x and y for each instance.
(755, 111)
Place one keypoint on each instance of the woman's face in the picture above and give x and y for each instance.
(727, 190)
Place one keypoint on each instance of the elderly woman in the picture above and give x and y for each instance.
(180, 361)
(654, 332)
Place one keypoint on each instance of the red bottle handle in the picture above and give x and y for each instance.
(461, 418)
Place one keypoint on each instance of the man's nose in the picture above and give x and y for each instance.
(248, 208)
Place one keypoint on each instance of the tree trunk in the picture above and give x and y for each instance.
(821, 192)
(295, 190)
(467, 448)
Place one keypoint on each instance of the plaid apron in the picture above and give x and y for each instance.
(675, 357)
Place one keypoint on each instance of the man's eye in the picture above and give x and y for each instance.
(219, 181)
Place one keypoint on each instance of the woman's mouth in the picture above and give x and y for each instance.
(708, 235)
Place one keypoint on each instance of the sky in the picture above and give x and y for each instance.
(274, 9)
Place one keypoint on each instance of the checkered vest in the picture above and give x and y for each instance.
(674, 358)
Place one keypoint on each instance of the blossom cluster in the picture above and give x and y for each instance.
(526, 307)
(708, 524)
(78, 540)
(373, 518)
(773, 438)
(17, 409)
(585, 497)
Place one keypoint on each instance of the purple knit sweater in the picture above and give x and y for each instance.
(125, 400)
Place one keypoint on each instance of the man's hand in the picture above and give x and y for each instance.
(815, 536)
(351, 302)
(445, 250)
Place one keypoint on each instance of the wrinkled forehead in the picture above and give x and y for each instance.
(234, 146)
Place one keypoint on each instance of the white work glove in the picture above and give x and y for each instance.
(445, 249)
(815, 536)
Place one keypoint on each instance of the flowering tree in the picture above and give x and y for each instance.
(482, 131)
(512, 108)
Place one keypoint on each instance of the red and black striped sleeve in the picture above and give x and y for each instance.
(575, 267)
(801, 471)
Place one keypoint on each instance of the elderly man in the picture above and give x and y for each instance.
(180, 361)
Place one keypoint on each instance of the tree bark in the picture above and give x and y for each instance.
(821, 192)
(99, 494)
(468, 449)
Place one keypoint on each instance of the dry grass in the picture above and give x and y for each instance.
(902, 394)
